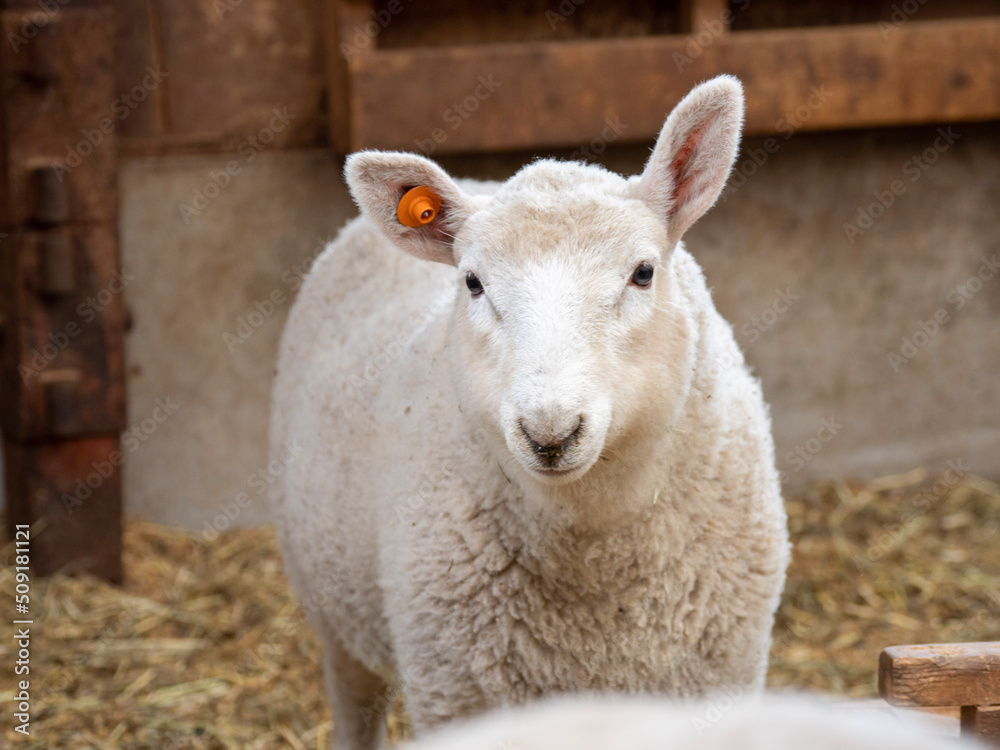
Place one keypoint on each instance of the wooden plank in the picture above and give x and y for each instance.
(701, 15)
(69, 491)
(230, 64)
(342, 20)
(945, 674)
(139, 46)
(982, 723)
(496, 97)
(447, 23)
(62, 370)
(62, 392)
(57, 110)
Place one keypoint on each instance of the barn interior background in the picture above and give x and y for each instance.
(169, 170)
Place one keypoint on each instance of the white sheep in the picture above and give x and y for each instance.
(540, 464)
(774, 722)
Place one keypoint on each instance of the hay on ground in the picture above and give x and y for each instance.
(204, 646)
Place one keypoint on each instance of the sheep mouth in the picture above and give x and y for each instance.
(564, 471)
(559, 460)
(551, 471)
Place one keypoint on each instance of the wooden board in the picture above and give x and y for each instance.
(62, 389)
(59, 86)
(982, 723)
(62, 364)
(516, 96)
(948, 674)
(69, 491)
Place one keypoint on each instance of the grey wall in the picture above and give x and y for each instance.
(817, 315)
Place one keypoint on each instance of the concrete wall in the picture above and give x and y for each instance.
(817, 312)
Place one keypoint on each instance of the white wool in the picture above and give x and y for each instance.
(775, 722)
(421, 524)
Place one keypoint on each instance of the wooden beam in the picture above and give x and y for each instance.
(516, 96)
(62, 371)
(982, 723)
(69, 492)
(946, 674)
(704, 15)
(342, 19)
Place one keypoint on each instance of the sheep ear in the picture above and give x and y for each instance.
(694, 153)
(379, 179)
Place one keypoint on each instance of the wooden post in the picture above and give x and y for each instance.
(982, 723)
(345, 23)
(697, 15)
(62, 389)
(947, 674)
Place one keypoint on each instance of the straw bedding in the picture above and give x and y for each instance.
(204, 646)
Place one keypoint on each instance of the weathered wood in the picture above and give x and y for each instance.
(982, 723)
(49, 8)
(69, 491)
(340, 18)
(945, 674)
(139, 46)
(62, 367)
(701, 15)
(459, 22)
(563, 94)
(62, 391)
(230, 64)
(58, 120)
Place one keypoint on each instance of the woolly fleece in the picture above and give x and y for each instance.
(431, 548)
(773, 722)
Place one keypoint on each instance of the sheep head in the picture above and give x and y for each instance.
(569, 337)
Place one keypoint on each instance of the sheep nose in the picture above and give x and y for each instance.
(550, 447)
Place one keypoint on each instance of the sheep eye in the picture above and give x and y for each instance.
(643, 275)
(475, 285)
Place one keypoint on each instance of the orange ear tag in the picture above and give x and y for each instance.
(418, 206)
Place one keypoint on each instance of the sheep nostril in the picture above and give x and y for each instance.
(552, 452)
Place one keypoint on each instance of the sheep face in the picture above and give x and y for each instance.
(563, 285)
(569, 339)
